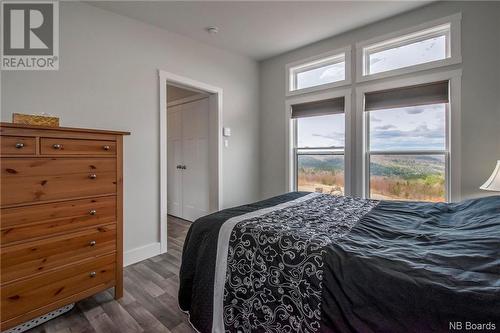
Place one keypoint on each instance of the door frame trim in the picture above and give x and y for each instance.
(215, 103)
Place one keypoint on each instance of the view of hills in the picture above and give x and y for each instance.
(401, 177)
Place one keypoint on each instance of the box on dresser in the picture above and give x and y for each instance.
(61, 217)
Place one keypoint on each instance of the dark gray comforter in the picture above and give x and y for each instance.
(393, 267)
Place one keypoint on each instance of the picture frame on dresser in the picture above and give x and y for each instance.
(61, 206)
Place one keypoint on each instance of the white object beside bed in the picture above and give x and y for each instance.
(493, 183)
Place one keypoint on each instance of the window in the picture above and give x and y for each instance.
(319, 146)
(315, 76)
(318, 73)
(407, 143)
(427, 46)
(402, 139)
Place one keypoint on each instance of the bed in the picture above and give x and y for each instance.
(308, 262)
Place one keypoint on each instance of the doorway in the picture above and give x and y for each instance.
(190, 150)
(188, 143)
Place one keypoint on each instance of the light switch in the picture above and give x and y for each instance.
(226, 143)
(226, 131)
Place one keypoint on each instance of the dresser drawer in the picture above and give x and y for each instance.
(22, 260)
(26, 180)
(54, 146)
(27, 222)
(23, 296)
(17, 145)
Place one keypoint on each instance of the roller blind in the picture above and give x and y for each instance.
(318, 108)
(424, 94)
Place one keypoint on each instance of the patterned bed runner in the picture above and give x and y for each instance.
(270, 267)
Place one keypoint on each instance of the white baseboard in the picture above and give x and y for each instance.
(141, 253)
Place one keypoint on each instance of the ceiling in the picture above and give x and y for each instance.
(259, 29)
(174, 93)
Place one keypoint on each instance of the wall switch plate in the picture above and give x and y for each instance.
(226, 131)
(226, 143)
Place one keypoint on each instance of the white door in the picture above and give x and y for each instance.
(188, 167)
(174, 158)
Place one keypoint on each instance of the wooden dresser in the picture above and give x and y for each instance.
(61, 218)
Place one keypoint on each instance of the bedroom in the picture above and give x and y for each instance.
(115, 60)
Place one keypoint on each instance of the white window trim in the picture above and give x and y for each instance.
(453, 173)
(290, 135)
(455, 49)
(348, 77)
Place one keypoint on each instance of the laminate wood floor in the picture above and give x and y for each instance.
(149, 303)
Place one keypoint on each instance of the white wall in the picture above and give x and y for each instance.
(108, 79)
(480, 90)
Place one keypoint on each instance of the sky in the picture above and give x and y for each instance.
(322, 131)
(412, 54)
(331, 73)
(410, 128)
(407, 55)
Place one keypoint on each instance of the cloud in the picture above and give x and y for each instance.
(401, 130)
(331, 135)
(385, 127)
(421, 108)
(335, 71)
(338, 138)
(421, 131)
(414, 110)
(375, 119)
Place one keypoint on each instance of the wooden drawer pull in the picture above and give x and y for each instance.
(92, 274)
(57, 146)
(106, 147)
(19, 145)
(92, 243)
(92, 176)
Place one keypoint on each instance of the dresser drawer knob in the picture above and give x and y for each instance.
(19, 145)
(106, 147)
(92, 212)
(92, 243)
(92, 274)
(57, 146)
(92, 176)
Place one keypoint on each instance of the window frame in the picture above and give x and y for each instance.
(445, 152)
(407, 36)
(452, 128)
(291, 137)
(314, 62)
(353, 89)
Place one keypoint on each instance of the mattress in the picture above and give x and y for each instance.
(303, 262)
